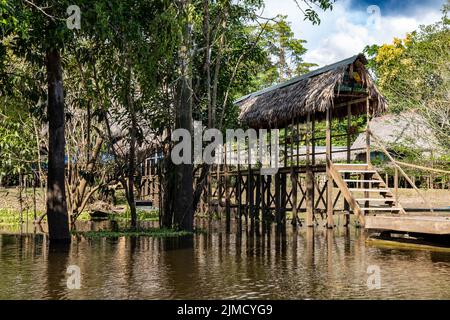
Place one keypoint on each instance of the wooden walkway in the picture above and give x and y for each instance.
(438, 225)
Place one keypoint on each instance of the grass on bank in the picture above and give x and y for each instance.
(8, 216)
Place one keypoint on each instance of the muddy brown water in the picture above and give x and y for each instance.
(243, 263)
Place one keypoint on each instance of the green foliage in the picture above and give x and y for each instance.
(16, 146)
(11, 217)
(414, 74)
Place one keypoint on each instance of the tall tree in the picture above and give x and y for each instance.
(414, 74)
(38, 33)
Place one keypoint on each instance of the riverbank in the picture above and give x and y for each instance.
(10, 206)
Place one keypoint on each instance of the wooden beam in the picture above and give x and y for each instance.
(414, 224)
(309, 182)
(330, 222)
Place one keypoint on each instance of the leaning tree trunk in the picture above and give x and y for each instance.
(58, 222)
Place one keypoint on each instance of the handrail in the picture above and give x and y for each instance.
(403, 173)
(337, 178)
(422, 168)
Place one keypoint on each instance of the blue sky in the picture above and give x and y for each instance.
(398, 7)
(353, 24)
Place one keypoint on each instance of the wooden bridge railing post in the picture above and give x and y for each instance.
(309, 181)
(330, 209)
(368, 152)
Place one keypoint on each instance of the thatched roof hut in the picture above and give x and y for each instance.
(332, 87)
(408, 129)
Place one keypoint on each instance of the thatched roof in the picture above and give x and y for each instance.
(408, 129)
(313, 92)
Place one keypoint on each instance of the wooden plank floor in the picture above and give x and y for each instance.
(415, 224)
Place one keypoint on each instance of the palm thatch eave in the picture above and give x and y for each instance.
(313, 93)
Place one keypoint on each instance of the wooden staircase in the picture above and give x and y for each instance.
(364, 189)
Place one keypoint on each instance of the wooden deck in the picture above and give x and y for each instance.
(439, 225)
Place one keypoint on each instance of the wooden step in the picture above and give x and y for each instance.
(350, 164)
(357, 171)
(376, 200)
(370, 190)
(363, 181)
(381, 209)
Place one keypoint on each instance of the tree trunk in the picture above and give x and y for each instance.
(58, 222)
(132, 154)
(183, 213)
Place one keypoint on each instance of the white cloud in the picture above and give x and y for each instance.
(345, 32)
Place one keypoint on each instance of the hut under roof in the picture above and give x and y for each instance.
(333, 86)
(407, 129)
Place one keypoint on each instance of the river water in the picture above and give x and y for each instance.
(244, 263)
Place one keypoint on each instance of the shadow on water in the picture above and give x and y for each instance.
(57, 263)
(244, 260)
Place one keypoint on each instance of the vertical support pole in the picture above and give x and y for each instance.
(227, 190)
(396, 186)
(330, 222)
(268, 199)
(239, 191)
(278, 197)
(293, 179)
(284, 193)
(313, 175)
(258, 196)
(309, 178)
(250, 193)
(368, 131)
(368, 159)
(349, 159)
(263, 198)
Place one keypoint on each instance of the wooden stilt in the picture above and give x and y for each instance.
(330, 222)
(313, 160)
(368, 153)
(309, 177)
(349, 159)
(396, 186)
(238, 192)
(293, 180)
(227, 190)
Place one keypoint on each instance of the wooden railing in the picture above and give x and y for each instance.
(337, 178)
(397, 167)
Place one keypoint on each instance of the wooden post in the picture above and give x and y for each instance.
(396, 186)
(268, 199)
(263, 198)
(293, 180)
(309, 181)
(330, 222)
(313, 138)
(250, 194)
(349, 159)
(368, 131)
(313, 144)
(349, 124)
(368, 159)
(239, 189)
(227, 190)
(284, 178)
(278, 197)
(258, 196)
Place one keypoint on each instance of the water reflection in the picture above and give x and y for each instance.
(250, 261)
